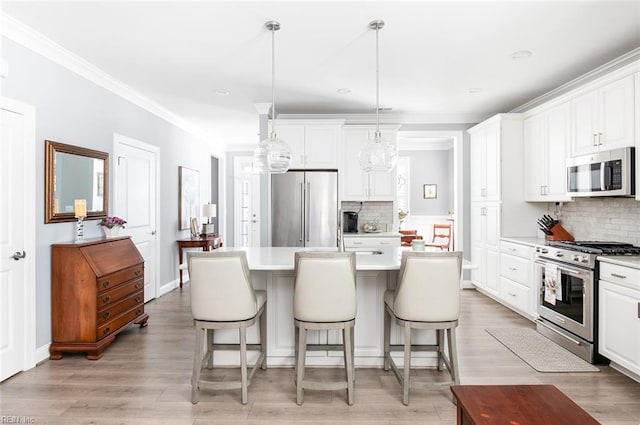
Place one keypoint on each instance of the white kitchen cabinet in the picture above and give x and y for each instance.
(546, 136)
(485, 184)
(497, 204)
(354, 243)
(619, 317)
(314, 145)
(603, 118)
(485, 234)
(517, 289)
(357, 185)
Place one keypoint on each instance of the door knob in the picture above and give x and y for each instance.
(19, 255)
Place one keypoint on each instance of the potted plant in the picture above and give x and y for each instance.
(402, 215)
(112, 225)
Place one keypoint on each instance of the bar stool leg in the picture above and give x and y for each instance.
(453, 355)
(387, 337)
(302, 352)
(209, 352)
(348, 341)
(243, 362)
(440, 336)
(407, 363)
(197, 364)
(263, 337)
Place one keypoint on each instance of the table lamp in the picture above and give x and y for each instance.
(208, 211)
(80, 212)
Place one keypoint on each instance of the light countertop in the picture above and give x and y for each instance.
(282, 258)
(632, 261)
(523, 240)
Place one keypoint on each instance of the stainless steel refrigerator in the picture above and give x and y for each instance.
(304, 209)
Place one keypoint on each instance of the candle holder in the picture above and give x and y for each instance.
(80, 230)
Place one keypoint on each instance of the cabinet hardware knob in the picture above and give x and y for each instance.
(106, 283)
(106, 331)
(138, 299)
(106, 299)
(137, 286)
(106, 314)
(138, 312)
(137, 272)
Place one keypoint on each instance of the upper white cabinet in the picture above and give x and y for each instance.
(603, 118)
(314, 145)
(485, 154)
(546, 136)
(356, 184)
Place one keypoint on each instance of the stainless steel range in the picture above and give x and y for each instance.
(567, 275)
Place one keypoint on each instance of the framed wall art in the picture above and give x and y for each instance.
(188, 201)
(430, 191)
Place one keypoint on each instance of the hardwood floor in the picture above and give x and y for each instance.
(144, 378)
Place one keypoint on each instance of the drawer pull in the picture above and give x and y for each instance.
(638, 310)
(138, 299)
(106, 331)
(138, 312)
(137, 272)
(513, 269)
(106, 299)
(619, 276)
(512, 249)
(512, 294)
(106, 314)
(138, 285)
(106, 284)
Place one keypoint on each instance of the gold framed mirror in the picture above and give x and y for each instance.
(73, 172)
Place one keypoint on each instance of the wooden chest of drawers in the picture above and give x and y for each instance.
(97, 291)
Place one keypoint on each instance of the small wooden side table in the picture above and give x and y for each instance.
(517, 404)
(207, 243)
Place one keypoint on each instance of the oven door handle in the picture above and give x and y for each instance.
(568, 269)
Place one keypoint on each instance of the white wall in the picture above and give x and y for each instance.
(73, 110)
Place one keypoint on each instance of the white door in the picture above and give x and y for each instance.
(246, 192)
(136, 200)
(17, 238)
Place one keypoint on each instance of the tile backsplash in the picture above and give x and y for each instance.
(601, 219)
(381, 212)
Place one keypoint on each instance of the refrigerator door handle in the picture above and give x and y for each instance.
(301, 212)
(306, 209)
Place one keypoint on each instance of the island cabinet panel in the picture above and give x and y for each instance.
(97, 291)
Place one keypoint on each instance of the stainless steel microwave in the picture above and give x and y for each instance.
(608, 173)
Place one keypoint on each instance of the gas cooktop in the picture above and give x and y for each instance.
(597, 247)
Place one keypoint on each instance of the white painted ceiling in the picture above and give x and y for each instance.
(431, 53)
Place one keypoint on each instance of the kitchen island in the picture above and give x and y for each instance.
(272, 269)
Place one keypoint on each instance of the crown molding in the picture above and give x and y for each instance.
(35, 41)
(616, 64)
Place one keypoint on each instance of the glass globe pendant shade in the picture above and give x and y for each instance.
(278, 155)
(378, 156)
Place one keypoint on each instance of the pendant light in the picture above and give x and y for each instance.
(378, 155)
(272, 155)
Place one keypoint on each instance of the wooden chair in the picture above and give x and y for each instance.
(441, 237)
(408, 236)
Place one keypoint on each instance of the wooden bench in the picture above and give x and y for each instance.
(517, 405)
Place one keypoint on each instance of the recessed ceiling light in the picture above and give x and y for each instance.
(474, 90)
(520, 54)
(344, 90)
(222, 92)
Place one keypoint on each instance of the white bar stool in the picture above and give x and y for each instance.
(427, 297)
(324, 297)
(222, 297)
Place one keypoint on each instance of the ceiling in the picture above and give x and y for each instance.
(432, 54)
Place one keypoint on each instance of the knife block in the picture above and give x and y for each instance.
(559, 234)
